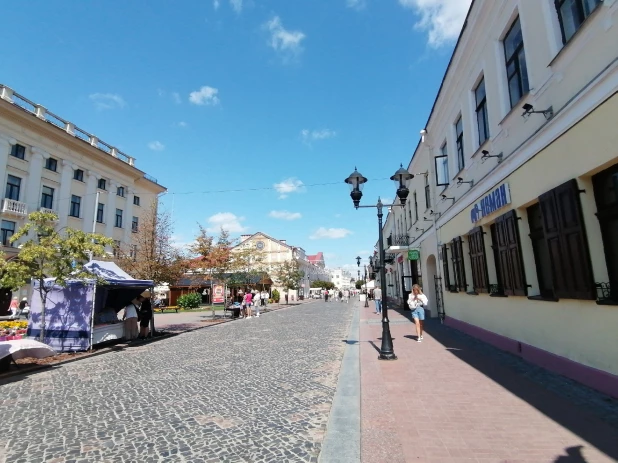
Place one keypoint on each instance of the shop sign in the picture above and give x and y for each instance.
(400, 259)
(218, 295)
(413, 254)
(491, 202)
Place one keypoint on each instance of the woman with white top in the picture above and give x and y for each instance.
(416, 301)
(130, 318)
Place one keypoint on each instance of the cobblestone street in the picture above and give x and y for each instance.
(249, 391)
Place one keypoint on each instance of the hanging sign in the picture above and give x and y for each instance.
(414, 254)
(218, 295)
(491, 202)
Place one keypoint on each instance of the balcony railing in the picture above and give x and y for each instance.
(7, 94)
(12, 207)
(401, 240)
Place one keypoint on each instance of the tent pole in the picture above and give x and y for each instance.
(94, 301)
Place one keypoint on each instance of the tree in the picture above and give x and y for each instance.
(48, 254)
(359, 284)
(152, 255)
(288, 274)
(322, 284)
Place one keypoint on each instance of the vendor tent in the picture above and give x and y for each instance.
(77, 315)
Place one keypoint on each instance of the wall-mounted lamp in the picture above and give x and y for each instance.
(426, 173)
(529, 109)
(422, 230)
(486, 156)
(444, 198)
(423, 135)
(460, 181)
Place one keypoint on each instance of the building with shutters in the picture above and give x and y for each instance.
(48, 163)
(514, 203)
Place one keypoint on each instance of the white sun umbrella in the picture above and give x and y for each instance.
(22, 348)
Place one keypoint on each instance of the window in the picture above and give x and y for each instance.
(100, 212)
(442, 177)
(461, 160)
(136, 200)
(508, 256)
(482, 120)
(47, 197)
(516, 70)
(606, 196)
(7, 230)
(459, 268)
(102, 184)
(118, 218)
(415, 208)
(427, 197)
(78, 174)
(51, 164)
(19, 151)
(134, 224)
(572, 14)
(447, 278)
(561, 253)
(76, 202)
(120, 191)
(13, 187)
(478, 259)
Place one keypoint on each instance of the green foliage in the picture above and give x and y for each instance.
(276, 295)
(48, 254)
(359, 284)
(288, 274)
(189, 301)
(322, 284)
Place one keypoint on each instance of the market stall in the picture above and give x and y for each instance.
(82, 314)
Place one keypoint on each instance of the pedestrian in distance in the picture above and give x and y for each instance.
(326, 295)
(14, 308)
(340, 296)
(346, 295)
(145, 315)
(417, 302)
(255, 302)
(130, 318)
(248, 300)
(377, 298)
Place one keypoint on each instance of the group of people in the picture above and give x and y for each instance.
(251, 303)
(338, 295)
(138, 310)
(417, 301)
(19, 308)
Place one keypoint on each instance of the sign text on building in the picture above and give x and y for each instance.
(491, 202)
(413, 254)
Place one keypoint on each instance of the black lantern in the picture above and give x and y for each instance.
(356, 182)
(400, 177)
(358, 259)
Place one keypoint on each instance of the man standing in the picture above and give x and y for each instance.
(377, 297)
(326, 295)
(346, 295)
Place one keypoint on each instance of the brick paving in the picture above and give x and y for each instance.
(454, 399)
(257, 390)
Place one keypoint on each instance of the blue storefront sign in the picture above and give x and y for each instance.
(491, 202)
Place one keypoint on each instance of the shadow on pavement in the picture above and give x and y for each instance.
(511, 373)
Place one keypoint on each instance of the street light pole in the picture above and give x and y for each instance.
(356, 182)
(358, 261)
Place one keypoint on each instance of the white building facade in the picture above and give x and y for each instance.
(342, 278)
(513, 207)
(48, 163)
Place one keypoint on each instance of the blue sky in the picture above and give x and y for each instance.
(271, 95)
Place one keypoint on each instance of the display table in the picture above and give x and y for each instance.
(103, 333)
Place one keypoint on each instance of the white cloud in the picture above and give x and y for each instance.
(442, 19)
(227, 221)
(216, 4)
(283, 41)
(290, 185)
(236, 5)
(356, 4)
(330, 233)
(107, 100)
(156, 146)
(182, 124)
(205, 96)
(285, 215)
(365, 253)
(176, 97)
(312, 135)
(387, 200)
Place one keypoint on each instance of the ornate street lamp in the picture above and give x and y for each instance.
(356, 182)
(358, 261)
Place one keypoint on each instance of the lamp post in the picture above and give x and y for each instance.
(358, 261)
(356, 182)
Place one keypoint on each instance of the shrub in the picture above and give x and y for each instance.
(276, 295)
(14, 325)
(189, 301)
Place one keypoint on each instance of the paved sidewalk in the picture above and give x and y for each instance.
(447, 399)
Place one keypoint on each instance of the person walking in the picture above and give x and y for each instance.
(130, 318)
(346, 295)
(417, 302)
(326, 295)
(340, 296)
(247, 300)
(145, 315)
(14, 308)
(263, 297)
(377, 298)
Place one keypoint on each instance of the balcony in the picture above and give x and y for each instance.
(13, 208)
(398, 243)
(49, 211)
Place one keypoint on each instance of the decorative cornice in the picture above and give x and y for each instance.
(36, 151)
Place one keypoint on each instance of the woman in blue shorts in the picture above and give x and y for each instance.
(417, 302)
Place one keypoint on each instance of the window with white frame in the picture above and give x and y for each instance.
(482, 120)
(459, 139)
(442, 177)
(572, 14)
(47, 197)
(516, 68)
(8, 230)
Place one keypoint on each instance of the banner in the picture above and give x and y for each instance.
(218, 297)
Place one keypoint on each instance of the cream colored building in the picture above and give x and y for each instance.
(275, 252)
(48, 163)
(518, 238)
